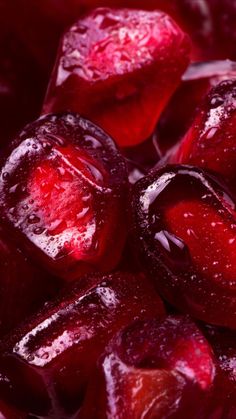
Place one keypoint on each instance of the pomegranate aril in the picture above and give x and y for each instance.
(119, 68)
(48, 361)
(185, 225)
(155, 368)
(211, 140)
(63, 193)
(197, 81)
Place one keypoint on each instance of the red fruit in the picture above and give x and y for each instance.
(119, 68)
(211, 141)
(153, 369)
(48, 361)
(63, 192)
(181, 109)
(23, 287)
(185, 225)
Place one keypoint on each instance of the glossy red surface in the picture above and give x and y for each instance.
(63, 193)
(210, 141)
(153, 369)
(104, 346)
(47, 362)
(119, 68)
(185, 232)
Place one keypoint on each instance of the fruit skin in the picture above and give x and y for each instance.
(48, 360)
(63, 194)
(184, 233)
(181, 110)
(153, 369)
(119, 68)
(211, 140)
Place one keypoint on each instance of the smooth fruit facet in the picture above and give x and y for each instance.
(184, 231)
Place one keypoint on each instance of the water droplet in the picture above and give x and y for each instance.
(216, 101)
(33, 219)
(45, 355)
(5, 175)
(38, 230)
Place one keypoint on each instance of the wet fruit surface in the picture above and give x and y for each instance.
(47, 362)
(63, 190)
(185, 231)
(151, 369)
(119, 68)
(91, 235)
(210, 142)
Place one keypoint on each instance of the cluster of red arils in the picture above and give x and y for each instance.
(117, 206)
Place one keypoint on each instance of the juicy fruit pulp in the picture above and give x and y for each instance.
(152, 369)
(185, 231)
(48, 361)
(210, 141)
(119, 68)
(63, 191)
